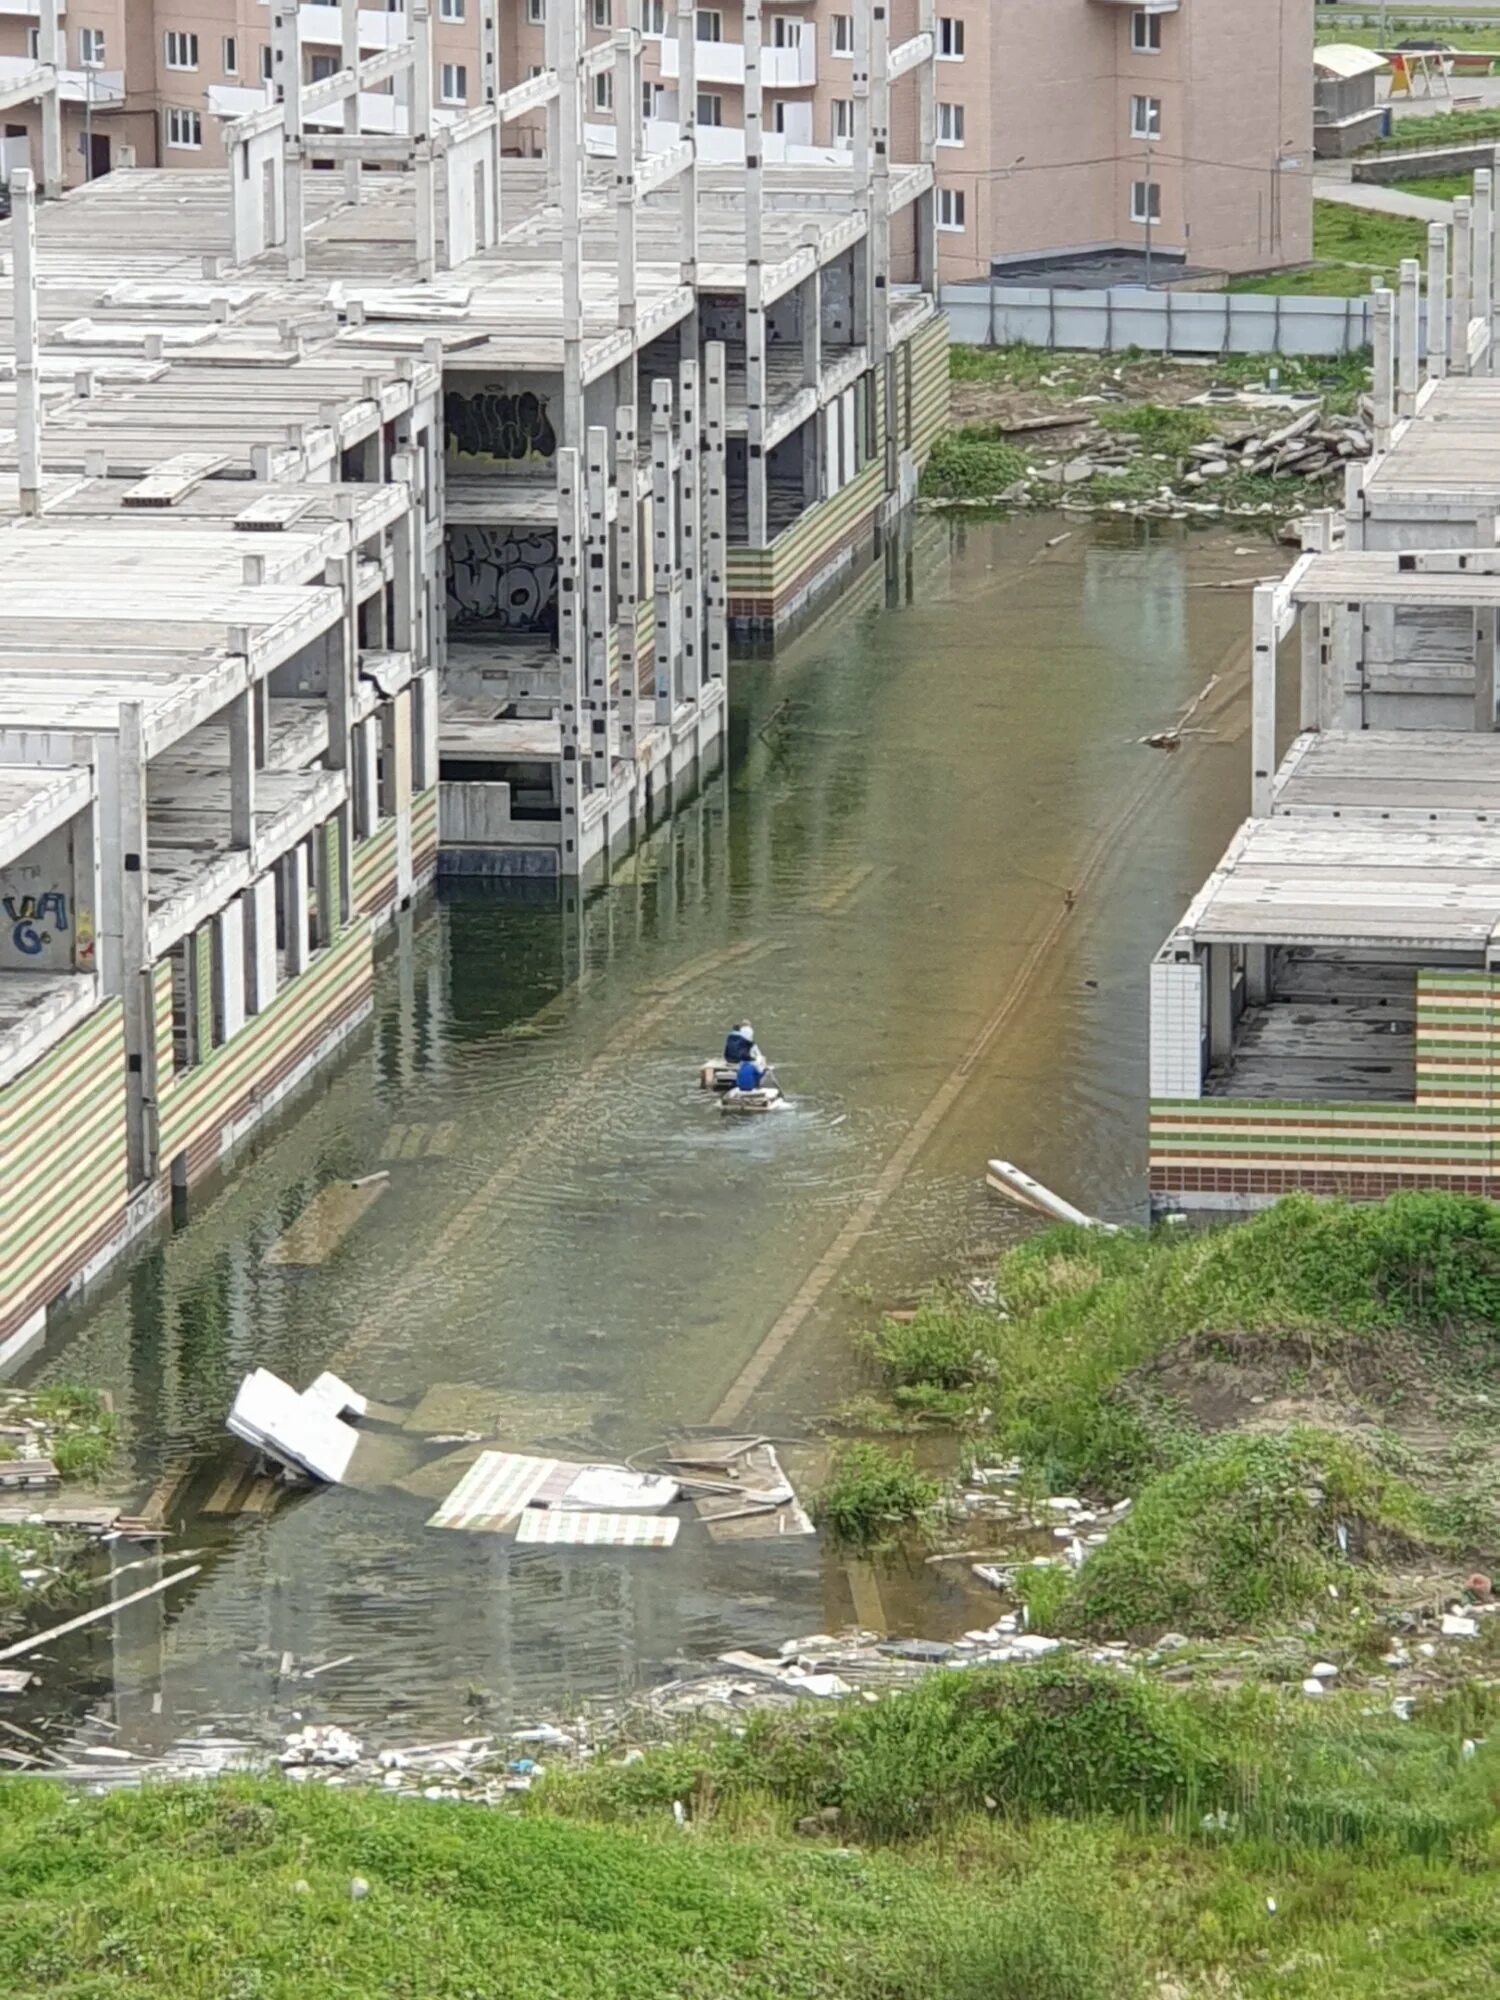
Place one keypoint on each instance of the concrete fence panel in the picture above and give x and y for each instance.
(997, 315)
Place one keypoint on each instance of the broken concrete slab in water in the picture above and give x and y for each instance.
(306, 1434)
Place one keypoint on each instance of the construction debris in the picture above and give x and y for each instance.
(740, 1491)
(501, 1486)
(304, 1434)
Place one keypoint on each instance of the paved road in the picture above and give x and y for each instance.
(1382, 200)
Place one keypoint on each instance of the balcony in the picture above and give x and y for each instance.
(1146, 6)
(323, 26)
(724, 62)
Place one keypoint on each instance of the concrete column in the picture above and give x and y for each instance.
(690, 534)
(810, 315)
(349, 59)
(1484, 670)
(424, 167)
(489, 62)
(664, 550)
(627, 84)
(1463, 274)
(758, 528)
(715, 517)
(294, 907)
(570, 194)
(598, 707)
(1437, 301)
(570, 645)
(1382, 370)
(286, 51)
(363, 778)
(627, 581)
(1257, 975)
(687, 116)
(1409, 338)
(28, 376)
(426, 729)
(1220, 1002)
(1483, 261)
(552, 144)
(133, 859)
(926, 204)
(229, 969)
(260, 944)
(50, 50)
(1263, 702)
(242, 763)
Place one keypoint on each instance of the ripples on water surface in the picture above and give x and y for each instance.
(912, 791)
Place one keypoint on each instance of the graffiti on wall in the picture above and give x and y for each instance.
(35, 920)
(498, 426)
(502, 581)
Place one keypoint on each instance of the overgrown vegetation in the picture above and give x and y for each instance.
(79, 1433)
(1442, 129)
(972, 463)
(872, 1497)
(1351, 248)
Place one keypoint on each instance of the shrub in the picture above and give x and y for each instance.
(871, 1495)
(1161, 428)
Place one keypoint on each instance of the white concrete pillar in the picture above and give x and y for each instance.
(715, 516)
(1409, 338)
(1484, 670)
(1383, 365)
(286, 57)
(627, 578)
(1437, 301)
(260, 943)
(1263, 701)
(489, 63)
(758, 531)
(426, 729)
(364, 777)
(926, 204)
(229, 968)
(598, 707)
(627, 86)
(294, 908)
(570, 195)
(687, 116)
(1483, 264)
(424, 167)
(134, 860)
(24, 308)
(664, 550)
(1220, 1002)
(51, 51)
(1463, 298)
(570, 648)
(349, 59)
(690, 528)
(242, 770)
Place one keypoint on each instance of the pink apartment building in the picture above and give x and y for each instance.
(1067, 130)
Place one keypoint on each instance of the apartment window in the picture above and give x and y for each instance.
(604, 91)
(841, 123)
(454, 83)
(1145, 34)
(603, 14)
(320, 68)
(710, 25)
(536, 12)
(950, 38)
(1145, 201)
(184, 130)
(650, 100)
(182, 50)
(231, 56)
(950, 208)
(1145, 117)
(710, 108)
(654, 17)
(841, 35)
(450, 10)
(266, 64)
(950, 125)
(34, 44)
(778, 115)
(91, 48)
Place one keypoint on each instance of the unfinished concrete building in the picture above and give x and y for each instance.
(1323, 1016)
(355, 523)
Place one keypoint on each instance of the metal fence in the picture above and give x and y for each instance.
(997, 315)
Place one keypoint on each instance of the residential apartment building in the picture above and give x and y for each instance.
(1065, 129)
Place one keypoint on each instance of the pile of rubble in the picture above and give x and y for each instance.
(1312, 446)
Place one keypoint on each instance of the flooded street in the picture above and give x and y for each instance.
(932, 874)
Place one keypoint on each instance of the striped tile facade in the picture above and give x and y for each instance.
(62, 1165)
(1448, 1136)
(374, 872)
(199, 1110)
(764, 583)
(424, 833)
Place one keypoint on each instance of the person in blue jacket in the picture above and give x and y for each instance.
(739, 1046)
(749, 1075)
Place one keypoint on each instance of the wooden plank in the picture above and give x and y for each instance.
(325, 1222)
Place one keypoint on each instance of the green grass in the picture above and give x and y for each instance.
(1419, 1273)
(872, 1497)
(1351, 248)
(1443, 128)
(1440, 187)
(1247, 1535)
(1437, 26)
(1162, 428)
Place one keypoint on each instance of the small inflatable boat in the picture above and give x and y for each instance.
(746, 1102)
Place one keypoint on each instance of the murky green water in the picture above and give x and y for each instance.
(933, 873)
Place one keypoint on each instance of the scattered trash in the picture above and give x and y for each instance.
(1455, 1625)
(359, 1888)
(1009, 1180)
